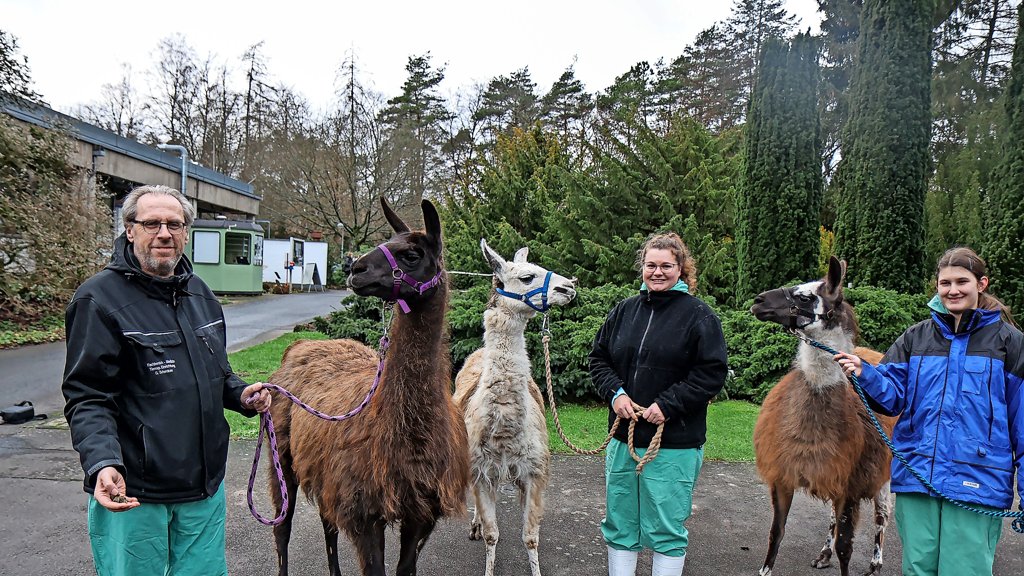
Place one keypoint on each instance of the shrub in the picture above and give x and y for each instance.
(572, 331)
(883, 315)
(760, 353)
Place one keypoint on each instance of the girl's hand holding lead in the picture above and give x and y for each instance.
(851, 365)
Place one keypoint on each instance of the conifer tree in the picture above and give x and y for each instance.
(1005, 252)
(779, 202)
(883, 174)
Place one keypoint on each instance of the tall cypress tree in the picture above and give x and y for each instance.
(1004, 250)
(884, 171)
(780, 200)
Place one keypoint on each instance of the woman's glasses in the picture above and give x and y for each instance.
(651, 267)
(153, 226)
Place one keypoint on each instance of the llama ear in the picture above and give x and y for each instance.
(396, 223)
(836, 273)
(521, 254)
(496, 262)
(431, 221)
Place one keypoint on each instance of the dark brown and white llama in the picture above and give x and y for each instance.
(502, 405)
(813, 432)
(404, 459)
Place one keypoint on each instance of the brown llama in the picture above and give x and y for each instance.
(502, 405)
(813, 432)
(404, 459)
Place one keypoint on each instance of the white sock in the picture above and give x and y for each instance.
(668, 565)
(621, 562)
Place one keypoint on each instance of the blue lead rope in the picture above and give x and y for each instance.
(1018, 516)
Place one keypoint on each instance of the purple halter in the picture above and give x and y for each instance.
(400, 276)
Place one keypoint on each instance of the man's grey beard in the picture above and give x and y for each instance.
(159, 267)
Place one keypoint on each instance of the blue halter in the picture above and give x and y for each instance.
(525, 298)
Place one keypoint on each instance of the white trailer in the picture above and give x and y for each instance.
(295, 261)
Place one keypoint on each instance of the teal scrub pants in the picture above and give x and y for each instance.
(649, 510)
(941, 539)
(160, 539)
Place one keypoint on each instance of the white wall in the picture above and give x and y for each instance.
(278, 252)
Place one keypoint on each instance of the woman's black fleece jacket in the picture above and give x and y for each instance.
(665, 347)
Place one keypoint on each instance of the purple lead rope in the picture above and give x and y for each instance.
(267, 423)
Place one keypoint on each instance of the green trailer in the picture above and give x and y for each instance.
(228, 255)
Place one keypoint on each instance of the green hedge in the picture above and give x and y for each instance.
(759, 352)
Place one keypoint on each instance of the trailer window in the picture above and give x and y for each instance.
(237, 248)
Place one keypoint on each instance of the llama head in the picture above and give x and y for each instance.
(524, 286)
(415, 261)
(817, 305)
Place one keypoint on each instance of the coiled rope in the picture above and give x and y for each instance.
(652, 449)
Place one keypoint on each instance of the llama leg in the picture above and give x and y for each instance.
(283, 531)
(533, 511)
(883, 505)
(824, 559)
(475, 532)
(414, 536)
(331, 541)
(846, 522)
(368, 539)
(782, 500)
(489, 524)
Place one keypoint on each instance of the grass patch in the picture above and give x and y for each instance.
(256, 364)
(730, 423)
(730, 429)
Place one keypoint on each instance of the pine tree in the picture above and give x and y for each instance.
(416, 118)
(779, 202)
(1004, 251)
(15, 76)
(884, 171)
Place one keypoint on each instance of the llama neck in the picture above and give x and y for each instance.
(417, 366)
(820, 370)
(505, 349)
(504, 330)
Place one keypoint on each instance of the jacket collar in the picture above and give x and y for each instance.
(970, 321)
(680, 286)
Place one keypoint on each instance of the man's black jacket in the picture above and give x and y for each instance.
(147, 380)
(665, 347)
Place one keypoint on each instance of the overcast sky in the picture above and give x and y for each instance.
(74, 47)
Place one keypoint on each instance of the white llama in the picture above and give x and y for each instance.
(502, 406)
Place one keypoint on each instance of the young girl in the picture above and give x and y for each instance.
(955, 380)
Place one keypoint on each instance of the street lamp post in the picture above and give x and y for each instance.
(184, 162)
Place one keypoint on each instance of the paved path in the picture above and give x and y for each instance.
(34, 372)
(44, 527)
(43, 532)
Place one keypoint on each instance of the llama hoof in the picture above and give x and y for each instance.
(824, 560)
(875, 570)
(475, 532)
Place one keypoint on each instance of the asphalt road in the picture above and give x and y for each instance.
(34, 372)
(44, 527)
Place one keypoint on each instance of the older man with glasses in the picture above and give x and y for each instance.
(146, 382)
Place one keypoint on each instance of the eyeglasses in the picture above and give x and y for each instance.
(651, 267)
(153, 226)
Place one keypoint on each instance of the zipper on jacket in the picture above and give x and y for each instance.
(917, 382)
(207, 342)
(991, 404)
(942, 402)
(643, 339)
